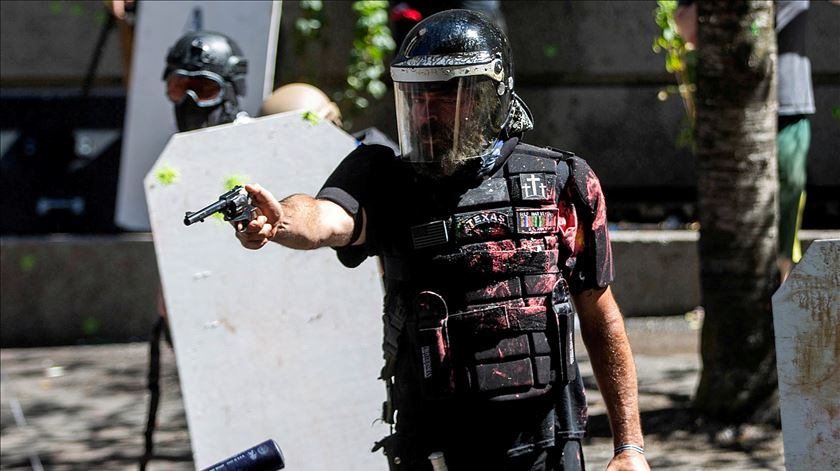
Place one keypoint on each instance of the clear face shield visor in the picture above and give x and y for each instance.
(442, 125)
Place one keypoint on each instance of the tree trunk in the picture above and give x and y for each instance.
(737, 193)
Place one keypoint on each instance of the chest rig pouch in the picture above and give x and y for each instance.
(496, 320)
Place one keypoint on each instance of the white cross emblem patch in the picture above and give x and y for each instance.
(533, 186)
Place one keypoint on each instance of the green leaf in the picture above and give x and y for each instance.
(678, 60)
(377, 88)
(313, 5)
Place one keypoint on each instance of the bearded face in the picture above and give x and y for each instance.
(446, 125)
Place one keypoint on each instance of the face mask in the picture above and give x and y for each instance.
(190, 116)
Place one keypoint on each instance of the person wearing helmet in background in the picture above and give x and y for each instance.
(489, 246)
(301, 96)
(305, 97)
(204, 75)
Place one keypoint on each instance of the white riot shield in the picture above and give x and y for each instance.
(273, 343)
(149, 117)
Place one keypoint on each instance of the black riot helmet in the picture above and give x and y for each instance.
(455, 104)
(205, 71)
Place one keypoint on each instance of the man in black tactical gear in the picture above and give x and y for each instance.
(489, 246)
(204, 74)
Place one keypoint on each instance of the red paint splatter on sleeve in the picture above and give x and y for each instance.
(567, 226)
(596, 200)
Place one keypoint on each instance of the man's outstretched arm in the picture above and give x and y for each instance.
(602, 329)
(299, 222)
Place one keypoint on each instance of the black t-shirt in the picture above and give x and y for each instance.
(373, 178)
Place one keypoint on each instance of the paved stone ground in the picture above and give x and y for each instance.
(84, 408)
(665, 350)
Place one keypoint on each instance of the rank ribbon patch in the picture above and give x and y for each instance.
(536, 221)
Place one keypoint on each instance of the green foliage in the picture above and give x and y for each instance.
(307, 30)
(372, 42)
(680, 60)
(669, 41)
(308, 26)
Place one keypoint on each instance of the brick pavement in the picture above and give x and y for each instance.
(85, 408)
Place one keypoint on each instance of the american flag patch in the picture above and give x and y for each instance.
(429, 234)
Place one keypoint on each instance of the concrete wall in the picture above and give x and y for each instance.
(587, 70)
(69, 289)
(52, 42)
(64, 289)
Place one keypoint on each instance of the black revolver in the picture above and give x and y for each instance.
(235, 206)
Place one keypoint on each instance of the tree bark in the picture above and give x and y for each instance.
(737, 192)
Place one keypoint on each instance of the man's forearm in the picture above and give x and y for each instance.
(309, 223)
(602, 329)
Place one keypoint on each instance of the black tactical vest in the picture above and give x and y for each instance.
(484, 310)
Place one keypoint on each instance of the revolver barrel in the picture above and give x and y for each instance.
(203, 213)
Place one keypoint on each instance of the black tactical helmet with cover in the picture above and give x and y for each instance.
(454, 93)
(205, 71)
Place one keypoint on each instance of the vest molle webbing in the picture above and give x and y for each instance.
(493, 316)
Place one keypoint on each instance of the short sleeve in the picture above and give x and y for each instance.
(593, 268)
(352, 186)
